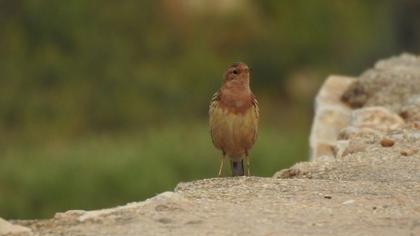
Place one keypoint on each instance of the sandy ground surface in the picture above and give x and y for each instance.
(255, 206)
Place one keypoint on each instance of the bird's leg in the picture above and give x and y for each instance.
(248, 164)
(222, 158)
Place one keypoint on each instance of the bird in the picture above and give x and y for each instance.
(233, 118)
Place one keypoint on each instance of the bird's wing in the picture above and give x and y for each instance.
(214, 98)
(214, 120)
(257, 116)
(255, 105)
(214, 102)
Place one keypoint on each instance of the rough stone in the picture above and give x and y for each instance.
(258, 206)
(391, 83)
(331, 115)
(9, 229)
(410, 110)
(375, 118)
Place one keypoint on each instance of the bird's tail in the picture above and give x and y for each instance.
(237, 168)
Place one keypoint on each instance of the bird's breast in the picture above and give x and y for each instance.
(238, 103)
(234, 130)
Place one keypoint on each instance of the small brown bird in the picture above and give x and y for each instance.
(234, 118)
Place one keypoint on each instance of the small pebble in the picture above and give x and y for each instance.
(404, 115)
(351, 201)
(386, 142)
(327, 197)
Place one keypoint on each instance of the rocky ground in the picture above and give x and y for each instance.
(255, 206)
(364, 177)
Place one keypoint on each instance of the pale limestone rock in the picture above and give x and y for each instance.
(376, 118)
(331, 115)
(92, 215)
(340, 147)
(410, 110)
(9, 229)
(353, 132)
(370, 124)
(333, 197)
(390, 84)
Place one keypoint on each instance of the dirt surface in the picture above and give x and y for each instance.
(369, 184)
(256, 206)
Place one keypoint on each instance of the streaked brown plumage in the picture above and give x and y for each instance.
(234, 118)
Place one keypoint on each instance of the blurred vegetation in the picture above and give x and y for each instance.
(105, 102)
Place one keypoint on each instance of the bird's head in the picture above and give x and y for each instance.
(237, 75)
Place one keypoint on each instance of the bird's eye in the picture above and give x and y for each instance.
(235, 72)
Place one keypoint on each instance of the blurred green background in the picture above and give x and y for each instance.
(105, 102)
